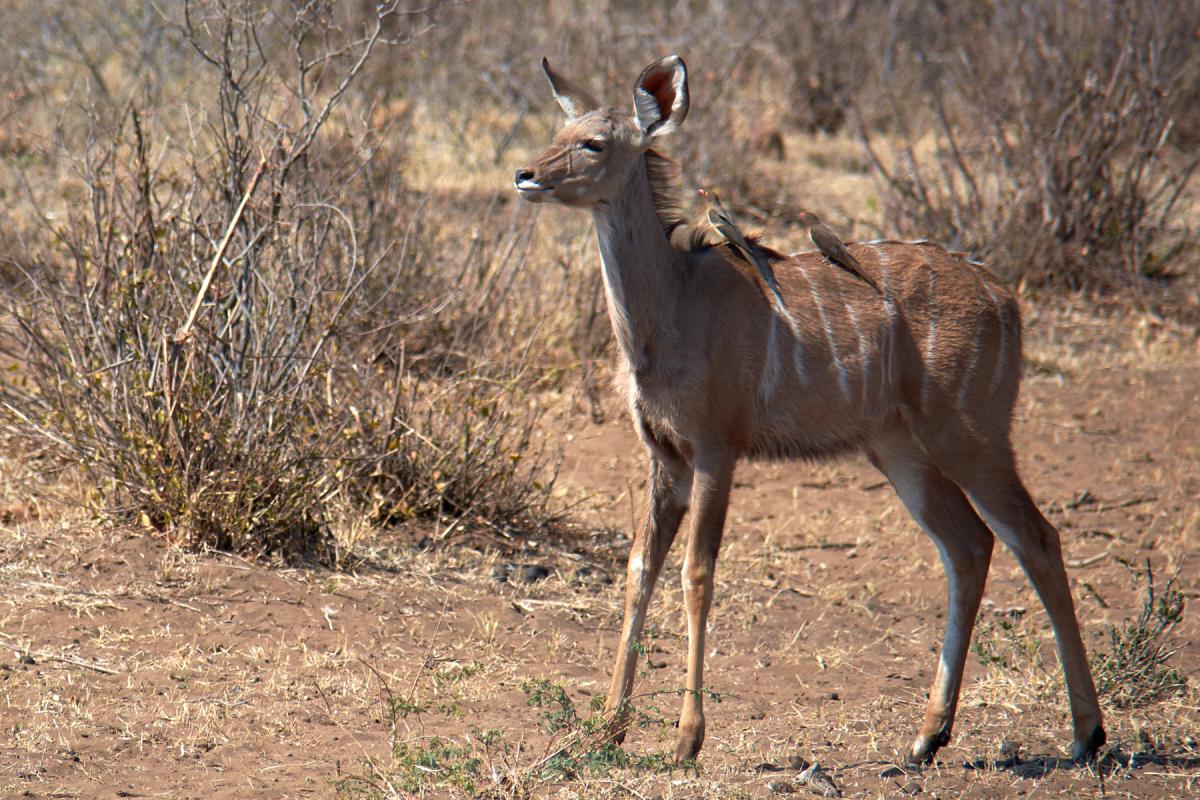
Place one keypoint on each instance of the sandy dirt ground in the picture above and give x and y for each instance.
(131, 669)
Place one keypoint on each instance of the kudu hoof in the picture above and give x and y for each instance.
(925, 747)
(688, 746)
(1086, 750)
(616, 729)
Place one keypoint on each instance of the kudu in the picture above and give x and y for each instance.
(921, 375)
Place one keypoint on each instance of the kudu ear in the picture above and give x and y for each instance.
(660, 97)
(575, 101)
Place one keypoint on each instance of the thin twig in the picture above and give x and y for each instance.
(44, 656)
(186, 328)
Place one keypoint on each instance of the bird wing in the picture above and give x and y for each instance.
(721, 220)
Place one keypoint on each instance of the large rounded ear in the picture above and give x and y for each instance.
(575, 101)
(660, 97)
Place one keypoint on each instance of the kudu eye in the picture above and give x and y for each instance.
(593, 145)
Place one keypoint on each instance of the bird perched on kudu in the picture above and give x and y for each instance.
(832, 247)
(723, 222)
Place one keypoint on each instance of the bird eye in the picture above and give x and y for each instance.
(593, 145)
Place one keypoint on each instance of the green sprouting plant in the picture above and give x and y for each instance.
(584, 748)
(430, 765)
(1005, 643)
(484, 763)
(435, 762)
(558, 712)
(402, 707)
(1134, 671)
(598, 761)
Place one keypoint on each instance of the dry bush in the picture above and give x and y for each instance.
(831, 52)
(1044, 138)
(217, 337)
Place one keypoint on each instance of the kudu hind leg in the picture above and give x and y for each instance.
(965, 545)
(667, 502)
(1006, 505)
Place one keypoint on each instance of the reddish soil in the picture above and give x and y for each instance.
(130, 669)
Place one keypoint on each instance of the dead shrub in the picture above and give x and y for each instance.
(202, 337)
(830, 50)
(1045, 142)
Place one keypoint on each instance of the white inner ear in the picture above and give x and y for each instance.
(646, 109)
(570, 106)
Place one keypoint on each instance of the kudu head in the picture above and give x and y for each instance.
(590, 159)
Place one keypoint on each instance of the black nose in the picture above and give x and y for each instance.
(524, 175)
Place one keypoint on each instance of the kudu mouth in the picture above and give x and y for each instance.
(526, 183)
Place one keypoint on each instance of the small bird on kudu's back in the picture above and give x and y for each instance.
(826, 241)
(722, 221)
(831, 246)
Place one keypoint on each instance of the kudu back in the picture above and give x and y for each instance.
(920, 374)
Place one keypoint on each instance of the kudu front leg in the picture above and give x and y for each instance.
(710, 500)
(667, 501)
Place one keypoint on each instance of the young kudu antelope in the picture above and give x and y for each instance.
(920, 374)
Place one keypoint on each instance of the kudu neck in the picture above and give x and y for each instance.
(643, 271)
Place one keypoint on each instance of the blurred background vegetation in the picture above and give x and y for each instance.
(266, 284)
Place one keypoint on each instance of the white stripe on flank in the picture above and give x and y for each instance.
(843, 379)
(798, 350)
(973, 364)
(797, 339)
(770, 372)
(889, 306)
(887, 355)
(930, 340)
(864, 354)
(1002, 353)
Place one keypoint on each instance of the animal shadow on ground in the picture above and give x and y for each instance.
(1114, 761)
